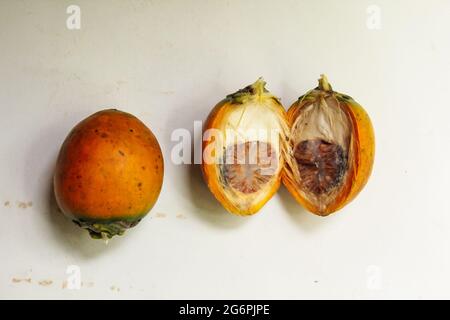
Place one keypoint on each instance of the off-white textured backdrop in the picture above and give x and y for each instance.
(168, 62)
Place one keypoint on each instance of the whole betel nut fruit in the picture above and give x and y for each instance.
(109, 173)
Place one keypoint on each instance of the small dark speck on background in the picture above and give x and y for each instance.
(24, 205)
(7, 203)
(45, 283)
(18, 280)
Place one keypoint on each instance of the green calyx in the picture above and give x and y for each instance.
(106, 229)
(256, 90)
(324, 89)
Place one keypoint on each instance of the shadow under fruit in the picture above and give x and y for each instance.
(109, 173)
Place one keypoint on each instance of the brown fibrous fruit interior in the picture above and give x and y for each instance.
(321, 164)
(249, 166)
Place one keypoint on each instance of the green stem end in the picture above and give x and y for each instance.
(324, 84)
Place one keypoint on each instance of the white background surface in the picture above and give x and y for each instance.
(169, 62)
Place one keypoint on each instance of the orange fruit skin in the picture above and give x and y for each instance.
(363, 144)
(215, 117)
(110, 168)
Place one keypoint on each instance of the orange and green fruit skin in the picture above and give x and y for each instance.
(109, 173)
(363, 145)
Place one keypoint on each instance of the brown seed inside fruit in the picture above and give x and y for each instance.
(249, 166)
(321, 165)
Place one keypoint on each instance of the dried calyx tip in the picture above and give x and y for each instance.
(324, 84)
(259, 86)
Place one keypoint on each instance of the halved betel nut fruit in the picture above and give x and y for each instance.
(244, 139)
(331, 149)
